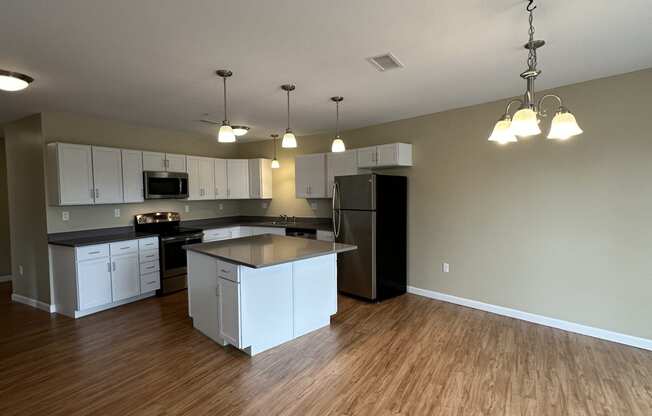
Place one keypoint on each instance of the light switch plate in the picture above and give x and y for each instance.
(221, 206)
(187, 208)
(20, 270)
(116, 212)
(445, 267)
(65, 216)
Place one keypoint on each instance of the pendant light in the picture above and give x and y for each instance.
(225, 134)
(275, 164)
(289, 141)
(338, 143)
(14, 81)
(525, 122)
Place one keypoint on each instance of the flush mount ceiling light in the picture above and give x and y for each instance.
(226, 134)
(275, 164)
(240, 130)
(525, 122)
(289, 141)
(338, 144)
(14, 81)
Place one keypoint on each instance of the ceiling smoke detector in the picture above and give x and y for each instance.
(385, 62)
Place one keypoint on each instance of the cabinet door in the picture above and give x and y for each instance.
(367, 157)
(340, 164)
(93, 283)
(107, 175)
(125, 277)
(207, 178)
(310, 176)
(266, 178)
(154, 161)
(194, 182)
(229, 311)
(132, 175)
(175, 163)
(221, 183)
(255, 190)
(75, 167)
(237, 178)
(387, 155)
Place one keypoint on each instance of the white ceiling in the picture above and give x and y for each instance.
(152, 61)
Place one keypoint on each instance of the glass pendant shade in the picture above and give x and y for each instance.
(275, 164)
(502, 132)
(240, 130)
(289, 141)
(564, 126)
(225, 134)
(338, 145)
(525, 123)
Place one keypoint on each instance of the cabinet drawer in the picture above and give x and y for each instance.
(150, 282)
(150, 267)
(124, 247)
(228, 271)
(148, 243)
(217, 234)
(148, 255)
(92, 252)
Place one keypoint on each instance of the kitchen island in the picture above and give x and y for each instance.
(258, 292)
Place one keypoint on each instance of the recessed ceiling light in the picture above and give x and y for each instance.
(14, 81)
(385, 62)
(240, 130)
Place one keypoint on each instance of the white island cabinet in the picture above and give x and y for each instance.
(261, 291)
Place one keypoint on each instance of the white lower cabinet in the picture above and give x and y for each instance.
(228, 299)
(90, 279)
(94, 283)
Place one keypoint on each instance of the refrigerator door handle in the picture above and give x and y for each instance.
(337, 210)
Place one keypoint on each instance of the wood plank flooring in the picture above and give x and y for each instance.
(406, 356)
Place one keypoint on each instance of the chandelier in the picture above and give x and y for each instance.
(525, 122)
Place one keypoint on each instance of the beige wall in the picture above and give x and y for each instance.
(558, 229)
(73, 128)
(5, 246)
(28, 228)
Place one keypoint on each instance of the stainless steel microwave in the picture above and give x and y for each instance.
(165, 185)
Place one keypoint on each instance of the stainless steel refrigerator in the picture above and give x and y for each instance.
(370, 211)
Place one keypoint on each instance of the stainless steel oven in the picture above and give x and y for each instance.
(165, 185)
(173, 260)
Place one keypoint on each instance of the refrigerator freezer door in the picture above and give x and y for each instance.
(356, 270)
(356, 192)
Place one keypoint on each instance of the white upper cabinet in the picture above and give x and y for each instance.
(107, 175)
(132, 175)
(237, 178)
(386, 155)
(310, 176)
(175, 163)
(221, 182)
(201, 178)
(70, 174)
(340, 164)
(260, 178)
(159, 162)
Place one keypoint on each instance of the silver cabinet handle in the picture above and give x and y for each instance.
(108, 265)
(224, 271)
(93, 252)
(124, 248)
(113, 266)
(151, 255)
(149, 267)
(151, 283)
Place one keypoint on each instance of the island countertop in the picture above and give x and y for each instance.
(267, 250)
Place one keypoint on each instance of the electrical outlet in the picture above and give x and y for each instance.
(187, 208)
(65, 216)
(313, 206)
(221, 206)
(116, 212)
(445, 267)
(265, 205)
(20, 269)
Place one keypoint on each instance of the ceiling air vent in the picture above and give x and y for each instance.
(385, 62)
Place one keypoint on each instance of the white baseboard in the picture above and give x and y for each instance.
(33, 302)
(537, 319)
(6, 278)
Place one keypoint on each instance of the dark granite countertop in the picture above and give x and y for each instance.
(268, 250)
(92, 237)
(303, 223)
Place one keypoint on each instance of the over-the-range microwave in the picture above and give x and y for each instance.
(165, 185)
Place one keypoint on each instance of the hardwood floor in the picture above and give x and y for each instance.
(406, 356)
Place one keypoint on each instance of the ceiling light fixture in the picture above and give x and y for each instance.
(226, 134)
(240, 130)
(289, 141)
(525, 122)
(14, 81)
(275, 164)
(338, 143)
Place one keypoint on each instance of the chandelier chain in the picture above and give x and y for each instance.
(532, 54)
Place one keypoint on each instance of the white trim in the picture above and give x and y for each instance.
(33, 303)
(78, 314)
(537, 319)
(6, 278)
